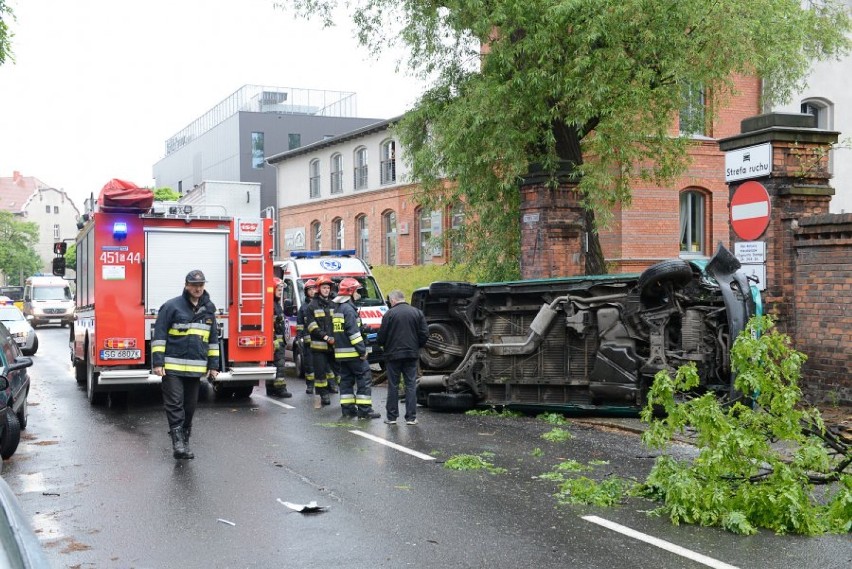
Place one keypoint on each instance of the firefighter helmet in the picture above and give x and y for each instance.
(348, 286)
(278, 282)
(324, 280)
(311, 283)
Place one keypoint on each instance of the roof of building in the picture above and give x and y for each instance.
(16, 191)
(331, 141)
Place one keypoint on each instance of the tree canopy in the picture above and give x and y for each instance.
(591, 84)
(17, 253)
(6, 34)
(166, 195)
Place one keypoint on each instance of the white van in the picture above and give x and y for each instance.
(48, 300)
(338, 264)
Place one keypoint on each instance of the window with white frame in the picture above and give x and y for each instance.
(316, 236)
(314, 173)
(692, 114)
(360, 172)
(823, 110)
(429, 224)
(692, 211)
(388, 162)
(362, 233)
(337, 174)
(337, 233)
(56, 234)
(456, 228)
(389, 223)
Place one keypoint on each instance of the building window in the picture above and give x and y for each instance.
(337, 233)
(314, 168)
(360, 168)
(337, 174)
(294, 140)
(56, 209)
(180, 187)
(56, 234)
(823, 111)
(389, 223)
(362, 233)
(692, 207)
(692, 114)
(316, 236)
(257, 150)
(47, 209)
(456, 228)
(388, 163)
(429, 232)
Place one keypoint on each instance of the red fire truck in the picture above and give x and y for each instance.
(132, 257)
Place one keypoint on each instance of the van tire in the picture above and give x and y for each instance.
(674, 271)
(452, 289)
(435, 359)
(453, 402)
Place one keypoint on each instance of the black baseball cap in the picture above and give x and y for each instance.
(195, 277)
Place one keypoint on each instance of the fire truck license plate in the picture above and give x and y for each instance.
(121, 354)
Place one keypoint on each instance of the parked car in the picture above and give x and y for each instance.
(16, 293)
(577, 343)
(20, 328)
(19, 546)
(14, 390)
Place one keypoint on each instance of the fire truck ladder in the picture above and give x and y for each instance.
(246, 274)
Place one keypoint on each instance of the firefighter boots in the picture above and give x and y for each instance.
(179, 443)
(368, 413)
(187, 431)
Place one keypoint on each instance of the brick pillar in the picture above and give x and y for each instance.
(798, 186)
(552, 229)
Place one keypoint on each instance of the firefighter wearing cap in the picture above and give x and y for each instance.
(320, 326)
(278, 386)
(350, 352)
(185, 348)
(303, 338)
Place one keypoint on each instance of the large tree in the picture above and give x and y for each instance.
(18, 258)
(591, 86)
(6, 34)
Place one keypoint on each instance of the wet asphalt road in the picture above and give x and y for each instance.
(103, 490)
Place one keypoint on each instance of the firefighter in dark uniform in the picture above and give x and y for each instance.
(350, 351)
(278, 386)
(303, 338)
(320, 326)
(184, 349)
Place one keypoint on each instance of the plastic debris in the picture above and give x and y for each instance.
(226, 522)
(309, 508)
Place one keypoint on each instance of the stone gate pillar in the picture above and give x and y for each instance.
(552, 229)
(798, 186)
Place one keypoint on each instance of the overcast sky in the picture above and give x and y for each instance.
(98, 86)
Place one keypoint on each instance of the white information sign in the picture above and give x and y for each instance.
(112, 272)
(749, 252)
(531, 218)
(756, 271)
(750, 162)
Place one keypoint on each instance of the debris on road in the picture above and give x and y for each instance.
(226, 522)
(309, 508)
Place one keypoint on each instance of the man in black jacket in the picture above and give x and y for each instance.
(184, 349)
(402, 333)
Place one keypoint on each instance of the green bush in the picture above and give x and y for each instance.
(409, 279)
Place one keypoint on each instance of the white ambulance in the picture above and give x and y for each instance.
(338, 264)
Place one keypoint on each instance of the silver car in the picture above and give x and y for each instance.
(20, 329)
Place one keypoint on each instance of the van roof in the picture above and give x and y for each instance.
(325, 265)
(46, 279)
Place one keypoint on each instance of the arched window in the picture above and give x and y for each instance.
(823, 110)
(362, 237)
(337, 233)
(389, 224)
(360, 171)
(692, 230)
(388, 163)
(336, 174)
(314, 169)
(316, 236)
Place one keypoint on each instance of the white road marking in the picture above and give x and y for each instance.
(662, 544)
(400, 448)
(276, 402)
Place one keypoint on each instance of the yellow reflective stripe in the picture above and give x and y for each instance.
(356, 338)
(347, 399)
(183, 367)
(204, 334)
(363, 400)
(156, 349)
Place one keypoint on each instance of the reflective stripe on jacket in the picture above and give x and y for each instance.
(348, 341)
(186, 337)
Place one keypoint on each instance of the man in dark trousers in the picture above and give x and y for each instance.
(303, 338)
(184, 349)
(278, 386)
(402, 333)
(320, 326)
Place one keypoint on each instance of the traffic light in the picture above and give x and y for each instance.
(59, 248)
(59, 265)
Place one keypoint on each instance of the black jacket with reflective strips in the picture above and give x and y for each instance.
(319, 323)
(186, 337)
(348, 341)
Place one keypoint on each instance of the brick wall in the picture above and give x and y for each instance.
(822, 321)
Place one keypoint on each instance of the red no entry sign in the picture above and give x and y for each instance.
(750, 210)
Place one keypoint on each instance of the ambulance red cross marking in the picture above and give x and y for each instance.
(750, 210)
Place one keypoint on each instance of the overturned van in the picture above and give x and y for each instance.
(577, 343)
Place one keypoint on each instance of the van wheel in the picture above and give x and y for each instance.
(435, 357)
(452, 289)
(94, 396)
(11, 436)
(450, 401)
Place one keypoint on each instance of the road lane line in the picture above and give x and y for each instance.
(276, 402)
(400, 448)
(662, 544)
